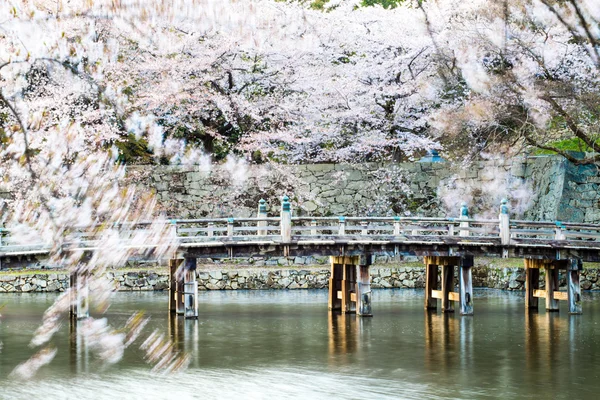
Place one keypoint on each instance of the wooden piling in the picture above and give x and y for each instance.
(179, 289)
(348, 288)
(551, 287)
(466, 286)
(190, 289)
(363, 290)
(431, 283)
(173, 266)
(345, 289)
(532, 283)
(574, 267)
(447, 286)
(335, 283)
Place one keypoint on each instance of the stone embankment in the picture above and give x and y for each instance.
(276, 278)
(539, 188)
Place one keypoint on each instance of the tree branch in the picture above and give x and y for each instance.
(571, 124)
(563, 153)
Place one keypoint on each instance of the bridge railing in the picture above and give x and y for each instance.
(218, 229)
(532, 231)
(285, 229)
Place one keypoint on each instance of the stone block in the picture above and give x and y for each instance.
(218, 275)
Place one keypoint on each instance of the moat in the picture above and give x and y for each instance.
(285, 344)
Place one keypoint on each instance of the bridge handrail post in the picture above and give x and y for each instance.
(342, 229)
(365, 228)
(504, 223)
(173, 230)
(558, 232)
(262, 213)
(211, 229)
(464, 214)
(313, 229)
(396, 226)
(286, 220)
(230, 222)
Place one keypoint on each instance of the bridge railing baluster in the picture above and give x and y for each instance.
(342, 228)
(286, 220)
(558, 232)
(464, 215)
(230, 222)
(396, 226)
(262, 213)
(504, 223)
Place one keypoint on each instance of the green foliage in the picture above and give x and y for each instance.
(133, 150)
(572, 144)
(322, 4)
(345, 58)
(3, 127)
(383, 3)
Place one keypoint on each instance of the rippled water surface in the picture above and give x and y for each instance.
(284, 344)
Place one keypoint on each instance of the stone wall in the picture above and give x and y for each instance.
(581, 194)
(540, 188)
(280, 278)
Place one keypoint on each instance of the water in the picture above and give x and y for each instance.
(284, 344)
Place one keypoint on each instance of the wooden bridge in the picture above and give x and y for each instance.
(351, 242)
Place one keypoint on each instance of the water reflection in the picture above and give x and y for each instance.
(343, 336)
(448, 342)
(79, 352)
(347, 335)
(185, 336)
(543, 334)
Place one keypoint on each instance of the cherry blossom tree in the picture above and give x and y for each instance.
(517, 72)
(83, 81)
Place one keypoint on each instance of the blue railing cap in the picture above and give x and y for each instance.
(285, 203)
(230, 220)
(464, 210)
(262, 205)
(504, 206)
(342, 218)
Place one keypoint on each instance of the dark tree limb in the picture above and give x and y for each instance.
(571, 124)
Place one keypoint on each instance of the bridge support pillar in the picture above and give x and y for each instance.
(80, 308)
(175, 286)
(532, 284)
(551, 293)
(574, 268)
(447, 286)
(431, 283)
(551, 287)
(190, 289)
(446, 294)
(349, 286)
(363, 287)
(465, 284)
